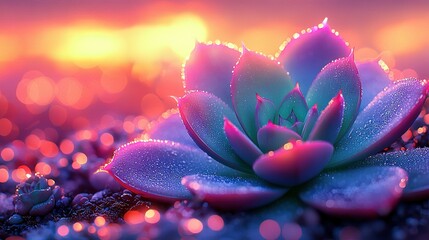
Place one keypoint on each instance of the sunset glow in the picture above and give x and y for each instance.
(98, 100)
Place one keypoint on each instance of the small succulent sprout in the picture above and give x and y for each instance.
(35, 197)
(261, 126)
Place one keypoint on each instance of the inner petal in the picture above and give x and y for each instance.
(295, 163)
(328, 125)
(240, 143)
(310, 121)
(255, 73)
(272, 137)
(264, 112)
(294, 102)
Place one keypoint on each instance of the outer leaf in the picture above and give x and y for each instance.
(170, 128)
(242, 145)
(41, 195)
(373, 78)
(23, 205)
(43, 207)
(203, 114)
(340, 75)
(360, 192)
(384, 120)
(209, 68)
(295, 163)
(256, 74)
(154, 169)
(306, 54)
(415, 162)
(232, 192)
(272, 137)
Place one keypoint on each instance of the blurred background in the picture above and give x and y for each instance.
(71, 64)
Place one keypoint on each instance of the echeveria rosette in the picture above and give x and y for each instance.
(35, 197)
(276, 124)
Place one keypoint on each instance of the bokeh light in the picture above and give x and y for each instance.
(99, 221)
(270, 229)
(77, 227)
(69, 91)
(35, 88)
(193, 226)
(4, 174)
(63, 230)
(7, 154)
(152, 216)
(20, 174)
(291, 231)
(215, 222)
(134, 217)
(5, 127)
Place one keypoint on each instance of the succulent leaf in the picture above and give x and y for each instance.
(384, 120)
(373, 78)
(265, 111)
(328, 125)
(272, 137)
(306, 54)
(340, 75)
(232, 192)
(294, 102)
(242, 145)
(309, 122)
(203, 114)
(162, 130)
(155, 169)
(295, 163)
(256, 74)
(360, 192)
(209, 68)
(414, 161)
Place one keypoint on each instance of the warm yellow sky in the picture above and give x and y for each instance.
(65, 30)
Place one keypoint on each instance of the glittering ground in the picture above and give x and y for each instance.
(93, 206)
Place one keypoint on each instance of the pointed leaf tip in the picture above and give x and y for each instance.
(209, 68)
(325, 21)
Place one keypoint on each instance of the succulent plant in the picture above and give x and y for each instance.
(35, 197)
(265, 125)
